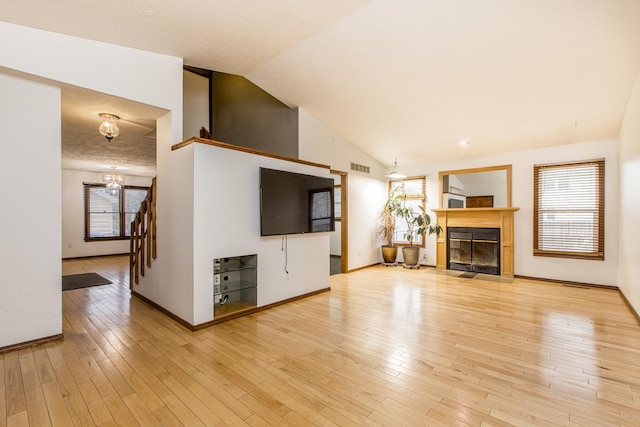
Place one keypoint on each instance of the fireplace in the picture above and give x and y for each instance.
(480, 218)
(473, 249)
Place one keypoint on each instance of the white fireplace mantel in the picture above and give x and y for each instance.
(501, 218)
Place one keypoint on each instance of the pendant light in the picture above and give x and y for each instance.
(394, 174)
(108, 128)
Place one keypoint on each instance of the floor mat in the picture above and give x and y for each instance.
(84, 280)
(468, 275)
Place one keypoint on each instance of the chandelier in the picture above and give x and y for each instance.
(114, 181)
(108, 128)
(394, 174)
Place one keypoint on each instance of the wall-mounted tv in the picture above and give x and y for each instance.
(294, 203)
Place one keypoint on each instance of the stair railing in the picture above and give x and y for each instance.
(142, 245)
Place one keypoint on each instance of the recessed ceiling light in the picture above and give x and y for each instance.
(464, 143)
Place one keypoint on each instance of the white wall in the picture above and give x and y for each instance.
(30, 294)
(136, 75)
(227, 224)
(336, 236)
(169, 283)
(366, 194)
(335, 246)
(73, 244)
(366, 197)
(490, 183)
(629, 218)
(594, 272)
(195, 104)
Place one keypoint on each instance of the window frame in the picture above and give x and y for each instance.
(597, 236)
(421, 197)
(121, 211)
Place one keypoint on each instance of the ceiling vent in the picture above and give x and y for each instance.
(359, 168)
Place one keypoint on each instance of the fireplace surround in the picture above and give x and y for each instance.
(497, 218)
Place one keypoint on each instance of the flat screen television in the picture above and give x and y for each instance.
(294, 203)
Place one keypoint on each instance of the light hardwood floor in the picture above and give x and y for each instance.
(386, 347)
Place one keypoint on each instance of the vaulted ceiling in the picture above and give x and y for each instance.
(398, 78)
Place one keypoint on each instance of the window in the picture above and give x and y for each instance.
(337, 202)
(414, 189)
(568, 210)
(107, 216)
(321, 210)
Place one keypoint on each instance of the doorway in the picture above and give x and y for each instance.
(338, 255)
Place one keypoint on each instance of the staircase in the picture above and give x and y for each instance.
(142, 247)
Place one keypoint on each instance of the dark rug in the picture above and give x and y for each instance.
(468, 275)
(85, 280)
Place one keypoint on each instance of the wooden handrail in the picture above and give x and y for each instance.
(142, 244)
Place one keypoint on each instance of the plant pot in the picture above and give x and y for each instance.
(411, 255)
(389, 254)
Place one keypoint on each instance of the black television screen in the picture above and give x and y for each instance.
(294, 203)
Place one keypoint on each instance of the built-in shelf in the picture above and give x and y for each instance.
(235, 281)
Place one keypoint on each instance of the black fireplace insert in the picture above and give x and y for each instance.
(473, 249)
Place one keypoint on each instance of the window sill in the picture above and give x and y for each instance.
(105, 239)
(570, 255)
(406, 245)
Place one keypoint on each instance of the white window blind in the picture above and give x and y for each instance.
(108, 216)
(321, 210)
(569, 210)
(104, 213)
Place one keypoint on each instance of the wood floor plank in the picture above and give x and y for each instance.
(82, 419)
(122, 416)
(13, 383)
(3, 387)
(222, 395)
(225, 414)
(181, 411)
(69, 390)
(383, 347)
(191, 401)
(137, 383)
(36, 403)
(57, 407)
(118, 382)
(165, 417)
(43, 364)
(95, 403)
(265, 412)
(139, 410)
(20, 419)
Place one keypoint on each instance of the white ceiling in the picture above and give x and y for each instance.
(398, 78)
(133, 152)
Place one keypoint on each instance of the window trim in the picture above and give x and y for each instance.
(598, 255)
(422, 197)
(122, 214)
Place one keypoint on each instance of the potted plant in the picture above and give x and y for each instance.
(387, 225)
(418, 224)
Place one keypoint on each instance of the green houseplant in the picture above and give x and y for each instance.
(387, 225)
(418, 224)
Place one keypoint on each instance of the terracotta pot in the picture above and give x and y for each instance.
(389, 254)
(411, 255)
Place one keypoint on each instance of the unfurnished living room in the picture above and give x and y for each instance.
(361, 212)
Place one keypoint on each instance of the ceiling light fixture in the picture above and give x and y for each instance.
(109, 129)
(394, 174)
(464, 143)
(114, 181)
